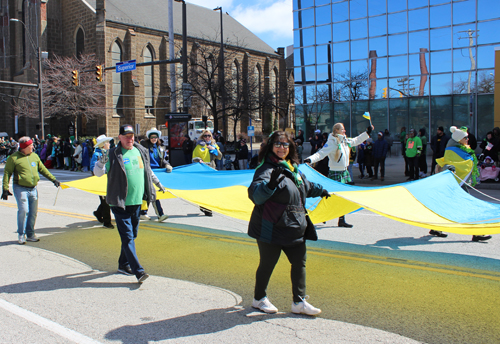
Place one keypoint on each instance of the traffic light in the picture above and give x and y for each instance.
(384, 94)
(75, 78)
(98, 72)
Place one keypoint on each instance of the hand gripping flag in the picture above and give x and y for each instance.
(368, 117)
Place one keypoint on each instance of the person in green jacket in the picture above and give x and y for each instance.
(413, 152)
(25, 165)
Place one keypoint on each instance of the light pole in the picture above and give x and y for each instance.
(222, 78)
(185, 85)
(40, 89)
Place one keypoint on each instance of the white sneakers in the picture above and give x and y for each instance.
(21, 239)
(264, 305)
(162, 218)
(305, 307)
(145, 218)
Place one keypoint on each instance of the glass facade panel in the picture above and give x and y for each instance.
(341, 32)
(321, 2)
(358, 9)
(487, 9)
(415, 3)
(376, 7)
(342, 114)
(359, 49)
(419, 64)
(322, 54)
(464, 83)
(398, 44)
(460, 35)
(441, 84)
(379, 111)
(418, 40)
(359, 69)
(441, 39)
(359, 29)
(463, 106)
(378, 68)
(461, 59)
(398, 66)
(297, 73)
(440, 61)
(419, 114)
(323, 15)
(341, 51)
(486, 81)
(323, 34)
(377, 26)
(304, 3)
(340, 11)
(397, 22)
(396, 5)
(418, 19)
(464, 11)
(308, 37)
(307, 17)
(322, 73)
(488, 31)
(485, 107)
(442, 111)
(379, 44)
(359, 123)
(440, 15)
(398, 114)
(341, 71)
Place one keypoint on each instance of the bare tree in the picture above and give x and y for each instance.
(60, 97)
(353, 86)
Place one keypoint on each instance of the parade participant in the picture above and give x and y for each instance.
(464, 162)
(130, 180)
(380, 149)
(103, 212)
(279, 219)
(25, 166)
(438, 146)
(413, 151)
(242, 152)
(157, 160)
(338, 150)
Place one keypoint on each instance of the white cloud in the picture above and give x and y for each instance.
(275, 20)
(226, 4)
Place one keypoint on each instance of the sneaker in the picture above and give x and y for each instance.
(98, 217)
(126, 270)
(108, 225)
(264, 305)
(145, 217)
(21, 239)
(207, 213)
(33, 238)
(481, 237)
(162, 218)
(438, 233)
(304, 307)
(142, 277)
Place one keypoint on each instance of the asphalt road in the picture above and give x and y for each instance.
(381, 281)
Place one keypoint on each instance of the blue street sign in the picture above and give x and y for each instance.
(250, 130)
(125, 66)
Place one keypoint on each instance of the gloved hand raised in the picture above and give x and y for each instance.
(161, 187)
(275, 178)
(325, 194)
(103, 159)
(307, 161)
(57, 183)
(369, 129)
(6, 194)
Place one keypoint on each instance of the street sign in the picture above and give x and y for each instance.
(125, 66)
(177, 116)
(251, 130)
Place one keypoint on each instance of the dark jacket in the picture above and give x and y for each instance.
(438, 145)
(493, 151)
(116, 193)
(242, 152)
(161, 151)
(380, 148)
(279, 215)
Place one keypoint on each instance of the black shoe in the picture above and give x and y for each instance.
(410, 179)
(342, 223)
(126, 270)
(481, 237)
(142, 276)
(108, 225)
(438, 233)
(98, 217)
(207, 213)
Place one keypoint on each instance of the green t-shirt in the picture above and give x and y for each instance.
(413, 147)
(134, 167)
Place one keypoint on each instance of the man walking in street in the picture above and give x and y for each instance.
(438, 146)
(25, 166)
(130, 180)
(380, 148)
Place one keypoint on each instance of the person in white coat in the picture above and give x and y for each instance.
(338, 149)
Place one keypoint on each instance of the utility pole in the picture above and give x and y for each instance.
(171, 48)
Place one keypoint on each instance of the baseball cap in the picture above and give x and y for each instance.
(441, 128)
(126, 129)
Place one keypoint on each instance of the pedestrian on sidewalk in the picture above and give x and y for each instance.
(25, 166)
(361, 159)
(422, 161)
(438, 146)
(130, 180)
(279, 219)
(103, 212)
(380, 149)
(338, 150)
(413, 151)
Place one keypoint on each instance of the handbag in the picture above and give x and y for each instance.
(310, 232)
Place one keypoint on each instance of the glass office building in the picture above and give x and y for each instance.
(410, 63)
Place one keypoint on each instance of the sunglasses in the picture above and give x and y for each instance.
(281, 144)
(207, 135)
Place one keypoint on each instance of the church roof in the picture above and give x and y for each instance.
(202, 23)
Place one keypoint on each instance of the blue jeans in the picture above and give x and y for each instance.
(27, 208)
(127, 222)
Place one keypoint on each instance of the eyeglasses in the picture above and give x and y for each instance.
(281, 144)
(153, 137)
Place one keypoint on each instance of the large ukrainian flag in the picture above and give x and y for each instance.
(436, 202)
(462, 161)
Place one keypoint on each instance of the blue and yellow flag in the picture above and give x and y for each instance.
(367, 116)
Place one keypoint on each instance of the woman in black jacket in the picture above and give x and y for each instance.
(278, 220)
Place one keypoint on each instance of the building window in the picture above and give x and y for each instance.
(235, 76)
(80, 42)
(116, 56)
(258, 79)
(148, 82)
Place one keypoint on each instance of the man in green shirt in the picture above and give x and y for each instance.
(413, 151)
(25, 165)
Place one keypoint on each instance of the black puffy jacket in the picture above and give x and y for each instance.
(279, 215)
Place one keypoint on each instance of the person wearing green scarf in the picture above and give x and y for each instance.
(279, 220)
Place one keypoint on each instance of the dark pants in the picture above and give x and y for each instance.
(369, 164)
(434, 163)
(127, 222)
(158, 209)
(413, 167)
(269, 256)
(422, 161)
(103, 210)
(361, 166)
(381, 162)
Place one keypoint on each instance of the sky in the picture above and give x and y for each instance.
(270, 20)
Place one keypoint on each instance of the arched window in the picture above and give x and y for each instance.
(80, 42)
(116, 56)
(257, 77)
(148, 80)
